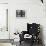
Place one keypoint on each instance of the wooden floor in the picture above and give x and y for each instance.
(27, 44)
(6, 40)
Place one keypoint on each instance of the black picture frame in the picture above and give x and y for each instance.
(20, 13)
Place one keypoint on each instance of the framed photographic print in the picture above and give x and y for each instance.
(20, 13)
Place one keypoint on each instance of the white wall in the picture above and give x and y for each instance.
(35, 12)
(3, 1)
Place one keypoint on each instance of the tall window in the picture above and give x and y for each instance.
(3, 17)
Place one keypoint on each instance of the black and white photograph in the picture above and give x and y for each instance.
(22, 22)
(20, 13)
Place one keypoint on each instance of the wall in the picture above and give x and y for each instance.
(3, 1)
(35, 12)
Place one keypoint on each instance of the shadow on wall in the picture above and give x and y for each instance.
(41, 34)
